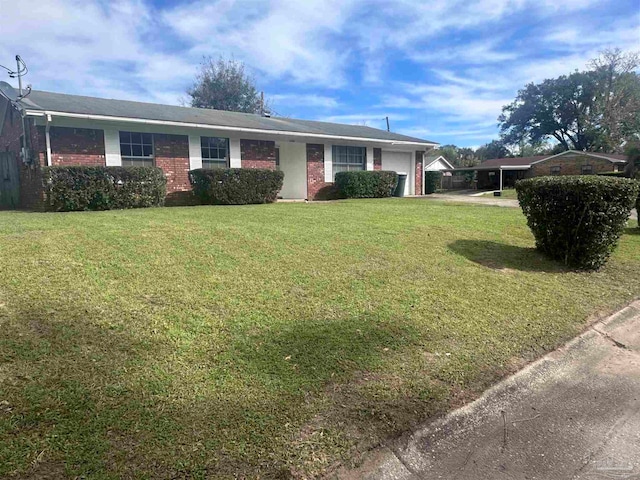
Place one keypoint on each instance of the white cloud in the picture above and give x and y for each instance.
(91, 48)
(288, 38)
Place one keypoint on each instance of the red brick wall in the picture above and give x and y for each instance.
(315, 170)
(418, 175)
(76, 146)
(571, 164)
(258, 154)
(172, 156)
(377, 159)
(31, 190)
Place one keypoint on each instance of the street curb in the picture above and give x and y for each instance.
(386, 462)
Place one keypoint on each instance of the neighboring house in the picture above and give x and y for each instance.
(76, 130)
(436, 163)
(498, 173)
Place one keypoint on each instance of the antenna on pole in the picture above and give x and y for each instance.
(15, 98)
(387, 119)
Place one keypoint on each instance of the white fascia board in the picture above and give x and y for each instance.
(37, 113)
(441, 158)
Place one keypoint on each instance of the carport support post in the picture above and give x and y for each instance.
(500, 179)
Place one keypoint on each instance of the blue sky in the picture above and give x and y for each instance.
(440, 69)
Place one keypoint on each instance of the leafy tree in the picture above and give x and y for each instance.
(468, 157)
(597, 110)
(224, 85)
(618, 98)
(560, 108)
(493, 149)
(450, 152)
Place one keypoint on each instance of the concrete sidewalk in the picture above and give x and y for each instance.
(574, 414)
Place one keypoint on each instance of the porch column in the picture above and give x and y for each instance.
(501, 179)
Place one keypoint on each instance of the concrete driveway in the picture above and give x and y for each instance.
(574, 414)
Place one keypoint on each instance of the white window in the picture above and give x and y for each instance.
(555, 170)
(136, 149)
(346, 159)
(215, 152)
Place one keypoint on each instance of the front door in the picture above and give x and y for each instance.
(293, 162)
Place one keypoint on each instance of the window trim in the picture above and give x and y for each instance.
(555, 169)
(208, 162)
(137, 158)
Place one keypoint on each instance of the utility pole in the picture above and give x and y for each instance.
(19, 74)
(387, 118)
(262, 104)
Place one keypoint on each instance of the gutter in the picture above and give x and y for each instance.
(48, 114)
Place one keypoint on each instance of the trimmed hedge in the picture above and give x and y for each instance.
(577, 219)
(235, 186)
(366, 184)
(102, 188)
(432, 181)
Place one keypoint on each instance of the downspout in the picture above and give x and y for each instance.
(47, 138)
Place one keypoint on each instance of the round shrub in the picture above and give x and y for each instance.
(77, 188)
(577, 219)
(432, 181)
(366, 184)
(236, 186)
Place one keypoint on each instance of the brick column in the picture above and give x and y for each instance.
(419, 173)
(172, 156)
(377, 159)
(315, 170)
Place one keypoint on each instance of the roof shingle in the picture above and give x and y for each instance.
(60, 102)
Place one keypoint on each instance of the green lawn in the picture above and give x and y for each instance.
(269, 340)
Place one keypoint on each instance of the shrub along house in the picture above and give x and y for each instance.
(498, 173)
(76, 130)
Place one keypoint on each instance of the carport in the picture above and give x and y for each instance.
(497, 173)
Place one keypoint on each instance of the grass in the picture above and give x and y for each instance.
(266, 341)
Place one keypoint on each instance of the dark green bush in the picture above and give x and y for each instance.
(432, 181)
(577, 219)
(366, 184)
(235, 186)
(102, 188)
